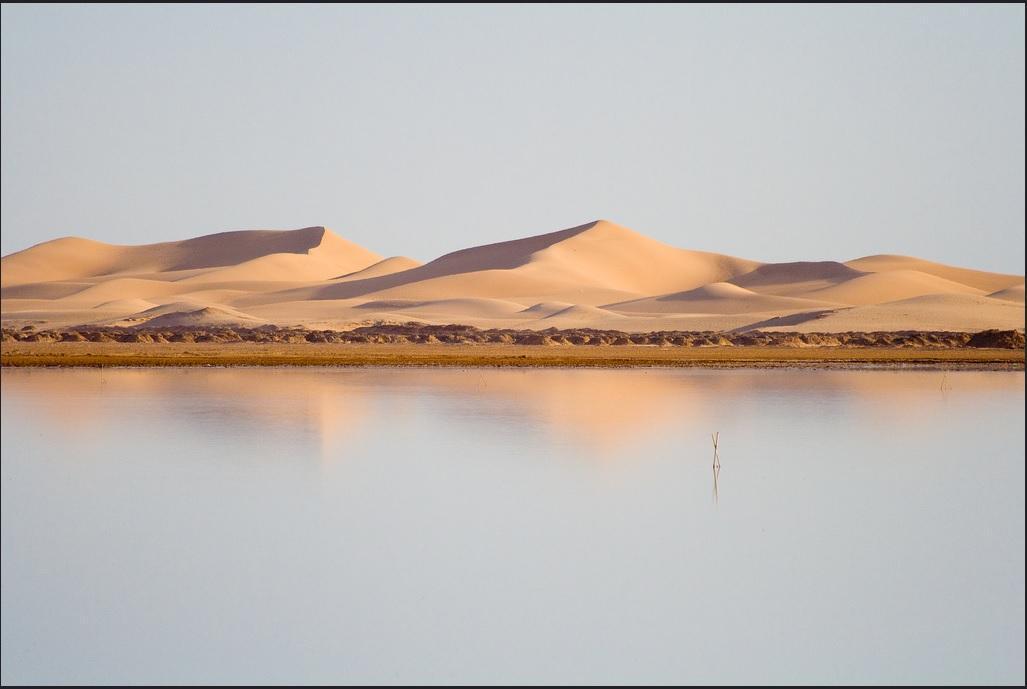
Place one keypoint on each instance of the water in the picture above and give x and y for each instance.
(254, 525)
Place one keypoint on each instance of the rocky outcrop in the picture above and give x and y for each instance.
(997, 339)
(420, 333)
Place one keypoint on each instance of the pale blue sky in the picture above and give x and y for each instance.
(774, 133)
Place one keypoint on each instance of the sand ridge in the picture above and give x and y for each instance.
(599, 274)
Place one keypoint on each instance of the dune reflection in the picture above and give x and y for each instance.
(598, 410)
(249, 402)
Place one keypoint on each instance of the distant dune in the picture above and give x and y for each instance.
(73, 257)
(717, 297)
(387, 266)
(875, 288)
(207, 315)
(988, 282)
(597, 275)
(795, 279)
(929, 312)
(579, 315)
(1014, 293)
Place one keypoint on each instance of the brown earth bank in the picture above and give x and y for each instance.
(904, 351)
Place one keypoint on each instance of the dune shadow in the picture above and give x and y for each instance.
(791, 319)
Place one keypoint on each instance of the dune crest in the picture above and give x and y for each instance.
(73, 257)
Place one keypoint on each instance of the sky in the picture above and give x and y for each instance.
(772, 133)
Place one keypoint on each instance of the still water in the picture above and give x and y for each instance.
(314, 525)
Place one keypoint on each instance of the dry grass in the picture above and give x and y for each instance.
(489, 355)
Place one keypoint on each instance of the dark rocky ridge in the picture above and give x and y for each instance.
(463, 334)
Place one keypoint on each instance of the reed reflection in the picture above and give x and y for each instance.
(716, 467)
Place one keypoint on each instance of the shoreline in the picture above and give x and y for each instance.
(147, 355)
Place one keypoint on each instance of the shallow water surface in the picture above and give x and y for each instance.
(334, 525)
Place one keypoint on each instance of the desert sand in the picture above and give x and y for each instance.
(597, 275)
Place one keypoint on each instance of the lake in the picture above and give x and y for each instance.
(517, 526)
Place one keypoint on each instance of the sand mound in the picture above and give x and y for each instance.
(475, 308)
(979, 279)
(205, 316)
(790, 279)
(147, 313)
(582, 315)
(583, 310)
(43, 290)
(714, 290)
(386, 266)
(718, 297)
(332, 256)
(120, 288)
(273, 267)
(892, 285)
(545, 308)
(955, 312)
(61, 259)
(1014, 293)
(126, 306)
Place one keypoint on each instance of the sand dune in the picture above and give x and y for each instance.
(597, 275)
(61, 259)
(790, 279)
(545, 308)
(956, 312)
(386, 266)
(43, 290)
(273, 267)
(73, 257)
(875, 288)
(208, 315)
(188, 314)
(1014, 293)
(473, 308)
(588, 264)
(987, 282)
(134, 305)
(717, 297)
(121, 288)
(583, 314)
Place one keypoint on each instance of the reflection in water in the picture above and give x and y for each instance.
(716, 467)
(716, 488)
(600, 412)
(390, 526)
